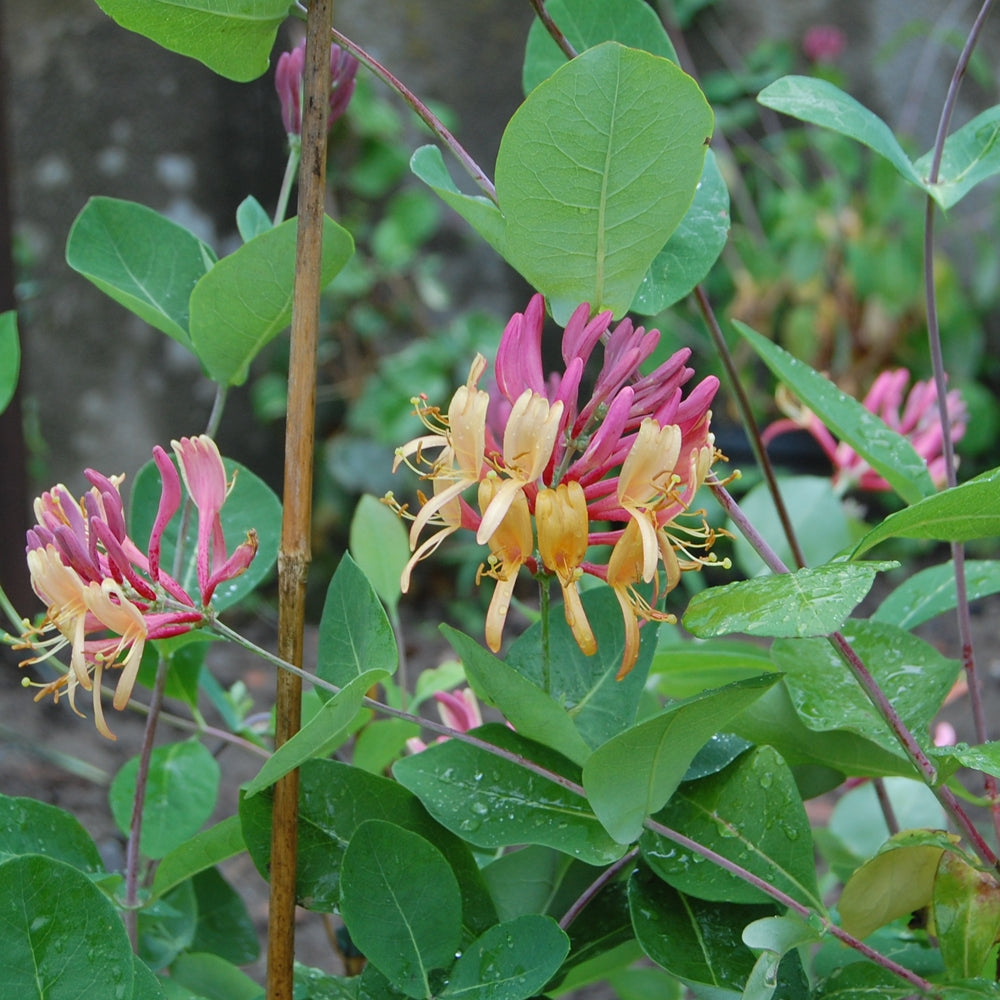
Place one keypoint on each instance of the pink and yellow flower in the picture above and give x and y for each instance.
(95, 580)
(619, 466)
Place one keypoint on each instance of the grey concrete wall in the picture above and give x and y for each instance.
(96, 110)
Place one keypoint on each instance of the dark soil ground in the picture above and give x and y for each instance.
(49, 754)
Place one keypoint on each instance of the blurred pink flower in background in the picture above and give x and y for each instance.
(459, 710)
(916, 419)
(823, 43)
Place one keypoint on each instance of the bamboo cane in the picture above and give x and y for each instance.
(294, 555)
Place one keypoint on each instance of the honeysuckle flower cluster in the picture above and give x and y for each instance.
(288, 84)
(558, 471)
(917, 419)
(95, 580)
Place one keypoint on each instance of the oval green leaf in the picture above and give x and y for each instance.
(180, 795)
(232, 37)
(633, 775)
(511, 961)
(28, 826)
(401, 903)
(693, 247)
(749, 813)
(931, 592)
(492, 802)
(246, 299)
(62, 938)
(140, 259)
(805, 602)
(320, 734)
(959, 514)
(622, 135)
(354, 633)
(915, 677)
(820, 102)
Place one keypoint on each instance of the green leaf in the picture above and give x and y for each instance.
(28, 826)
(316, 737)
(381, 742)
(181, 791)
(684, 668)
(166, 927)
(931, 592)
(818, 517)
(773, 938)
(826, 696)
(586, 24)
(633, 775)
(863, 981)
(751, 814)
(511, 961)
(140, 259)
(334, 800)
(890, 454)
(482, 214)
(527, 880)
(355, 636)
(693, 248)
(966, 915)
(959, 514)
(401, 903)
(251, 219)
(819, 102)
(585, 686)
(246, 299)
(200, 852)
(380, 547)
(210, 977)
(803, 603)
(697, 941)
(772, 720)
(492, 802)
(224, 926)
(145, 985)
(622, 135)
(893, 884)
(231, 37)
(10, 357)
(62, 938)
(971, 155)
(529, 710)
(250, 504)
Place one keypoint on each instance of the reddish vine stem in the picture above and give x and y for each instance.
(750, 423)
(555, 33)
(791, 903)
(608, 875)
(294, 554)
(428, 117)
(962, 610)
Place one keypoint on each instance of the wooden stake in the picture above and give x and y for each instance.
(294, 555)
